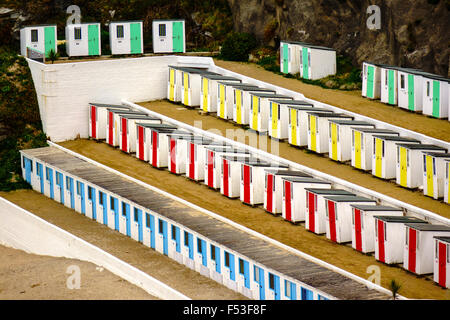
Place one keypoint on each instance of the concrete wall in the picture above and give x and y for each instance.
(22, 230)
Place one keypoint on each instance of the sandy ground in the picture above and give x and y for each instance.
(296, 236)
(29, 277)
(348, 100)
(161, 267)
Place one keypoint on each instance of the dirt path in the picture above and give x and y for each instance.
(35, 277)
(161, 267)
(348, 100)
(322, 163)
(257, 219)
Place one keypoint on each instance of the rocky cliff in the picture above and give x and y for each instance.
(413, 33)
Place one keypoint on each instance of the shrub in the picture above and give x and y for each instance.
(237, 46)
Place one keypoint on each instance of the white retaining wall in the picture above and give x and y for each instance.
(23, 230)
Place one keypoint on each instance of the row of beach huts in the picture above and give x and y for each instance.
(383, 153)
(298, 197)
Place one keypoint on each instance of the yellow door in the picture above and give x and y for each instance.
(334, 134)
(222, 101)
(294, 127)
(254, 120)
(205, 94)
(378, 156)
(313, 125)
(403, 166)
(239, 106)
(357, 141)
(274, 119)
(186, 88)
(172, 85)
(429, 173)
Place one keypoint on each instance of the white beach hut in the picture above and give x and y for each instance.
(83, 39)
(168, 35)
(298, 123)
(410, 89)
(40, 38)
(231, 174)
(225, 98)
(389, 83)
(98, 118)
(317, 62)
(127, 140)
(260, 109)
(209, 90)
(290, 56)
(174, 83)
(242, 102)
(195, 165)
(371, 80)
(435, 96)
(126, 37)
(441, 270)
(113, 124)
(191, 86)
(434, 164)
(278, 123)
(146, 136)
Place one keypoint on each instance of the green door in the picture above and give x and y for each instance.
(305, 63)
(93, 40)
(177, 35)
(411, 92)
(135, 38)
(391, 87)
(436, 98)
(49, 39)
(285, 58)
(370, 74)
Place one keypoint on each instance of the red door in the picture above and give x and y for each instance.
(173, 148)
(154, 148)
(110, 129)
(311, 198)
(93, 122)
(442, 263)
(246, 177)
(192, 161)
(225, 177)
(141, 142)
(210, 165)
(269, 192)
(287, 200)
(332, 219)
(124, 134)
(412, 250)
(358, 236)
(381, 253)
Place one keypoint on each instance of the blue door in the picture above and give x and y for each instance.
(40, 174)
(229, 263)
(49, 177)
(290, 290)
(60, 183)
(150, 224)
(162, 229)
(80, 193)
(244, 270)
(92, 198)
(259, 278)
(274, 285)
(126, 214)
(69, 187)
(215, 256)
(114, 206)
(102, 201)
(189, 242)
(201, 248)
(176, 237)
(28, 168)
(306, 294)
(138, 219)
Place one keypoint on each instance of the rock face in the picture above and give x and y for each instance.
(413, 33)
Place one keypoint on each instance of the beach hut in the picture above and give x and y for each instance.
(389, 82)
(418, 253)
(294, 196)
(260, 109)
(127, 141)
(252, 180)
(213, 163)
(159, 153)
(410, 89)
(278, 123)
(340, 133)
(126, 37)
(209, 90)
(113, 124)
(409, 172)
(434, 164)
(225, 98)
(242, 101)
(191, 86)
(83, 39)
(177, 150)
(371, 80)
(315, 217)
(98, 118)
(339, 216)
(290, 56)
(435, 96)
(362, 146)
(384, 153)
(231, 174)
(146, 136)
(317, 62)
(298, 123)
(390, 237)
(168, 35)
(40, 38)
(441, 270)
(273, 193)
(318, 129)
(363, 224)
(174, 83)
(195, 165)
